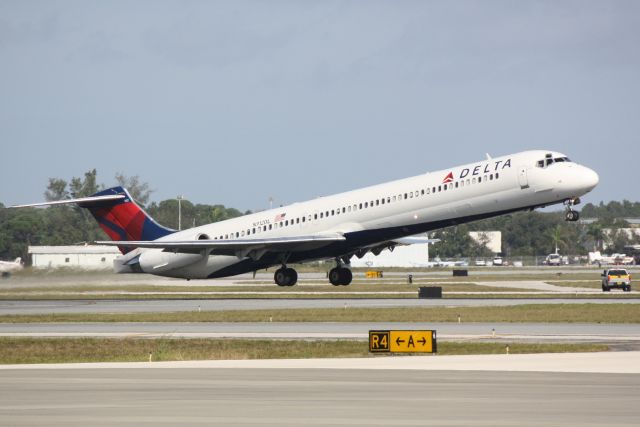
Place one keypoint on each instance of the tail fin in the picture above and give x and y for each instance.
(118, 215)
(121, 218)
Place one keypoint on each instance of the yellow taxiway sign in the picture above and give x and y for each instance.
(402, 342)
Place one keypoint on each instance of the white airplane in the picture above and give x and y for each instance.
(339, 226)
(8, 267)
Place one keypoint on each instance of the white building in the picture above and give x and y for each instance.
(402, 256)
(491, 239)
(80, 257)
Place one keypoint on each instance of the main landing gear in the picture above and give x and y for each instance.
(285, 276)
(340, 276)
(570, 214)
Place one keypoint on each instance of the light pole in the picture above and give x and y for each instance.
(180, 198)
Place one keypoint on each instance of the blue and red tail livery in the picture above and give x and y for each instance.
(123, 219)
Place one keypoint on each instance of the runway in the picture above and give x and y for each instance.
(569, 390)
(163, 306)
(509, 332)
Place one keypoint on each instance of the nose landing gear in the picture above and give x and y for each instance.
(570, 214)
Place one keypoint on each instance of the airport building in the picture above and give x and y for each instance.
(83, 257)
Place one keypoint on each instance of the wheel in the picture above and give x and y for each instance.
(292, 275)
(627, 288)
(335, 276)
(572, 216)
(347, 276)
(285, 277)
(281, 277)
(340, 276)
(605, 288)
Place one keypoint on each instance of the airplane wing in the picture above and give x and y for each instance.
(237, 247)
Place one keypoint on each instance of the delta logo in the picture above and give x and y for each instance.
(447, 179)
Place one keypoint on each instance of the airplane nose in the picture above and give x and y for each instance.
(590, 178)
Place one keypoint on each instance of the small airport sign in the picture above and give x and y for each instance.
(402, 342)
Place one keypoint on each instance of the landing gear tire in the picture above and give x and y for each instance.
(605, 288)
(572, 215)
(340, 276)
(285, 277)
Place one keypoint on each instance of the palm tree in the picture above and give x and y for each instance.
(596, 232)
(556, 236)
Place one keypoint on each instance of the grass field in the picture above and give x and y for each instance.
(535, 313)
(45, 350)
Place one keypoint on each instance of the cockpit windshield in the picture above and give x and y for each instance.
(549, 160)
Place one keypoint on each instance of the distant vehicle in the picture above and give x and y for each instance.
(613, 259)
(497, 261)
(8, 267)
(553, 259)
(616, 278)
(481, 263)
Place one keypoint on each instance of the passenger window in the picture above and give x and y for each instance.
(468, 182)
(497, 175)
(411, 195)
(366, 204)
(433, 190)
(321, 215)
(254, 231)
(423, 192)
(439, 188)
(332, 212)
(270, 226)
(456, 184)
(360, 206)
(344, 210)
(491, 177)
(473, 180)
(405, 196)
(479, 179)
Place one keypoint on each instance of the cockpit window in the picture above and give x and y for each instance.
(549, 160)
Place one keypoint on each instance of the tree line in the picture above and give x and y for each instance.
(70, 224)
(523, 234)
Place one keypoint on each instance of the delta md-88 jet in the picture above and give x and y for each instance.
(340, 226)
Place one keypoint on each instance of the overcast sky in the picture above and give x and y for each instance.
(233, 102)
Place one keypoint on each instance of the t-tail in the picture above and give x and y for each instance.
(118, 215)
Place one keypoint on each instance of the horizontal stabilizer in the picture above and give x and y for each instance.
(83, 200)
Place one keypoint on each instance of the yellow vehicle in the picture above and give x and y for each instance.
(616, 278)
